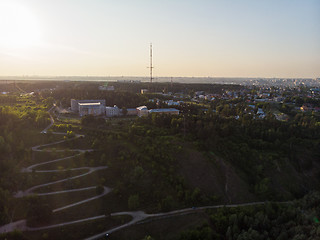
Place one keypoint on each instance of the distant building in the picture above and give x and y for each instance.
(172, 103)
(199, 93)
(209, 97)
(112, 111)
(171, 111)
(261, 113)
(129, 81)
(261, 100)
(106, 88)
(306, 107)
(142, 111)
(75, 104)
(143, 91)
(95, 109)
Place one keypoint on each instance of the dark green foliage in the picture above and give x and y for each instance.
(269, 221)
(133, 202)
(256, 147)
(99, 189)
(39, 211)
(148, 238)
(91, 121)
(18, 124)
(203, 232)
(141, 156)
(4, 206)
(15, 235)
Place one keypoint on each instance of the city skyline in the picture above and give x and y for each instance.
(190, 38)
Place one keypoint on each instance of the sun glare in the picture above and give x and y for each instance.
(18, 26)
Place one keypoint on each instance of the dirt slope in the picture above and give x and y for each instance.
(213, 176)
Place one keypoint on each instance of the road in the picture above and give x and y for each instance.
(51, 119)
(142, 217)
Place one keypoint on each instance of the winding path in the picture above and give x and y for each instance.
(138, 217)
(21, 225)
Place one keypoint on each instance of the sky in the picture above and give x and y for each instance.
(194, 38)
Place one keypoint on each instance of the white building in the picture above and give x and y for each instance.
(95, 109)
(75, 104)
(142, 111)
(112, 111)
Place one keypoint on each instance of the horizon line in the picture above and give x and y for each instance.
(147, 77)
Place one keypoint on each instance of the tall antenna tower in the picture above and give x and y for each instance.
(151, 67)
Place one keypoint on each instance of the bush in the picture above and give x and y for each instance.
(133, 202)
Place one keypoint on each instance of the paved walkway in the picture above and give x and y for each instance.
(21, 225)
(137, 216)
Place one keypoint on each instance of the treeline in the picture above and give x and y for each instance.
(119, 98)
(12, 150)
(143, 162)
(8, 99)
(298, 220)
(165, 87)
(126, 94)
(299, 101)
(16, 122)
(256, 147)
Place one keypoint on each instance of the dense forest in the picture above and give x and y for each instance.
(19, 117)
(212, 153)
(297, 220)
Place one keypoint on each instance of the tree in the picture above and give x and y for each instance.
(38, 211)
(99, 189)
(148, 237)
(4, 200)
(167, 203)
(48, 101)
(87, 120)
(133, 202)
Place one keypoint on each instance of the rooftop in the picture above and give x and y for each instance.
(142, 108)
(163, 110)
(94, 104)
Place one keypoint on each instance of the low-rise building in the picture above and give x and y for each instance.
(75, 103)
(172, 103)
(112, 111)
(106, 88)
(143, 91)
(171, 111)
(95, 109)
(261, 113)
(142, 111)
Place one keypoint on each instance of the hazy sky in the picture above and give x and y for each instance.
(225, 38)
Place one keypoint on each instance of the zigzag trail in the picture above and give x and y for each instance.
(21, 225)
(138, 217)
